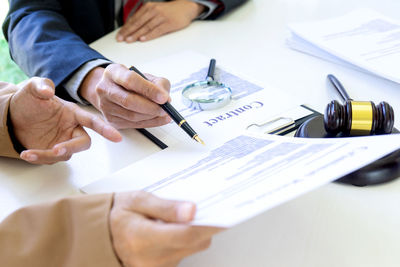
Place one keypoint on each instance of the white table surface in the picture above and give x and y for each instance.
(336, 225)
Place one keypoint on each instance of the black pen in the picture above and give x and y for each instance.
(152, 138)
(174, 114)
(339, 87)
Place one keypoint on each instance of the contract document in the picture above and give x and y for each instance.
(364, 40)
(252, 102)
(234, 180)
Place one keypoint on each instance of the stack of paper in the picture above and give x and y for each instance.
(363, 39)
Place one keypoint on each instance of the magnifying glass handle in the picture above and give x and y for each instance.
(211, 69)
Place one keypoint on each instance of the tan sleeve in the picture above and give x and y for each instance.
(6, 146)
(70, 232)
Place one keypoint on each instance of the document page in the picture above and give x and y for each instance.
(234, 180)
(252, 102)
(363, 39)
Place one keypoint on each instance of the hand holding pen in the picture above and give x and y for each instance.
(174, 114)
(125, 99)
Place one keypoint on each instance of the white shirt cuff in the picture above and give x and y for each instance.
(209, 5)
(73, 84)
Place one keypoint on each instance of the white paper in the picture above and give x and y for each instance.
(252, 101)
(282, 122)
(362, 39)
(235, 180)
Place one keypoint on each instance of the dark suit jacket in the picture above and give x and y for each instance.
(48, 38)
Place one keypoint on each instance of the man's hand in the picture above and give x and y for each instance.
(49, 127)
(125, 98)
(149, 231)
(155, 19)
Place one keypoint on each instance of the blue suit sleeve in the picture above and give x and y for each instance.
(42, 42)
(231, 4)
(228, 5)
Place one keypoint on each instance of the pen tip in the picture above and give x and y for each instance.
(198, 139)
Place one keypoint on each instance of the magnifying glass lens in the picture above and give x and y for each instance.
(207, 95)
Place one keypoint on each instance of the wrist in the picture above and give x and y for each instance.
(195, 9)
(110, 228)
(87, 90)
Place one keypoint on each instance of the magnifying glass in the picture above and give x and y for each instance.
(208, 94)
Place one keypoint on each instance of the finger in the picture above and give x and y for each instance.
(93, 122)
(116, 110)
(120, 123)
(133, 22)
(162, 209)
(40, 87)
(132, 81)
(43, 156)
(141, 11)
(60, 152)
(135, 102)
(183, 235)
(146, 28)
(115, 94)
(155, 32)
(80, 141)
(141, 17)
(159, 81)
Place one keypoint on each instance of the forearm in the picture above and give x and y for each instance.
(42, 43)
(70, 232)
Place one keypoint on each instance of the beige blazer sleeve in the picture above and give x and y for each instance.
(6, 146)
(70, 232)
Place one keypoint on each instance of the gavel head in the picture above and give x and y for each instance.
(358, 118)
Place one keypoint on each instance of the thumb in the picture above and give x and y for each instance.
(40, 87)
(166, 210)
